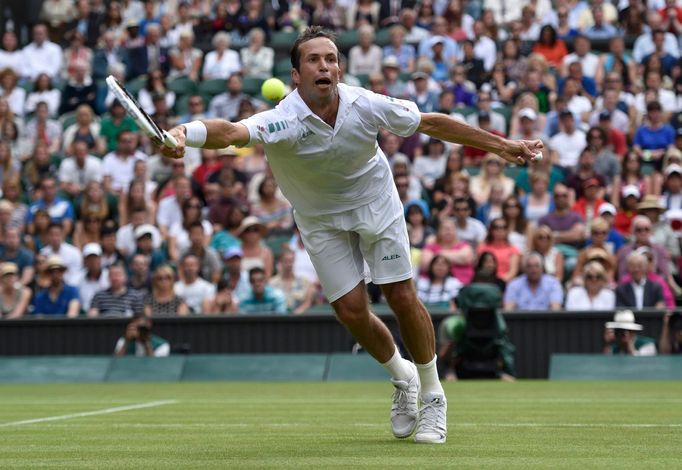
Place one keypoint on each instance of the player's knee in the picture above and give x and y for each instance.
(401, 297)
(351, 315)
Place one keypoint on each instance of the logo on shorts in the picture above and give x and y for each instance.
(390, 257)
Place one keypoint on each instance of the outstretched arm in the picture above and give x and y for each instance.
(219, 134)
(444, 127)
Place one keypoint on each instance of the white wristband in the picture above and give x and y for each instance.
(195, 133)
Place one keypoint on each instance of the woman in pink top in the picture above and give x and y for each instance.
(508, 256)
(458, 253)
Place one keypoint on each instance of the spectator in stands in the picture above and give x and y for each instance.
(459, 253)
(603, 234)
(533, 290)
(170, 207)
(256, 252)
(653, 139)
(641, 237)
(94, 278)
(257, 59)
(11, 250)
(639, 292)
(670, 341)
(156, 86)
(14, 296)
(587, 206)
(262, 297)
(620, 336)
(10, 55)
(85, 128)
(79, 90)
(191, 288)
(140, 341)
(185, 59)
(40, 166)
(497, 242)
(538, 202)
(365, 57)
(210, 265)
(162, 301)
(223, 303)
(144, 244)
(58, 298)
(14, 94)
(116, 122)
(237, 278)
(221, 62)
(644, 45)
(542, 242)
(550, 46)
(568, 143)
(426, 100)
(298, 291)
(42, 128)
(394, 85)
(662, 233)
(78, 170)
(68, 254)
(593, 292)
(568, 227)
(41, 55)
(584, 172)
(140, 274)
(226, 105)
(119, 165)
(627, 211)
(274, 212)
(60, 209)
(438, 289)
(11, 191)
(328, 15)
(418, 230)
(362, 12)
(468, 229)
(178, 233)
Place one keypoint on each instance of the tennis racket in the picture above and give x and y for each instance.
(135, 111)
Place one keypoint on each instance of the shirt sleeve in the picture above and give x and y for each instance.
(556, 293)
(400, 117)
(268, 127)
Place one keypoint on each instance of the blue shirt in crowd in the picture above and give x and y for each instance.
(273, 301)
(655, 139)
(59, 210)
(44, 305)
(548, 291)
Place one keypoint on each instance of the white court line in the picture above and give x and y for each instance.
(105, 411)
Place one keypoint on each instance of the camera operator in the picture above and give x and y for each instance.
(670, 341)
(139, 340)
(620, 336)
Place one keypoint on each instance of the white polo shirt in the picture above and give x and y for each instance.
(325, 170)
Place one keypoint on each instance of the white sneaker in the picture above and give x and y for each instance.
(404, 411)
(432, 426)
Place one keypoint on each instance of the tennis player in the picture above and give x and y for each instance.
(321, 142)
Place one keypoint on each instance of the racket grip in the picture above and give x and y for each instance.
(169, 140)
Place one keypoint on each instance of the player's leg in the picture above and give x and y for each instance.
(416, 330)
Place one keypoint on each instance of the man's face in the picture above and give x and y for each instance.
(533, 269)
(190, 267)
(568, 123)
(561, 198)
(462, 211)
(582, 46)
(196, 236)
(624, 338)
(144, 243)
(674, 183)
(140, 265)
(93, 263)
(258, 283)
(55, 236)
(402, 184)
(642, 231)
(287, 262)
(39, 34)
(9, 41)
(183, 189)
(637, 269)
(49, 187)
(234, 85)
(318, 72)
(56, 276)
(126, 143)
(234, 264)
(12, 240)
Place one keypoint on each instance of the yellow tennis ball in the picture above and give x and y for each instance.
(273, 89)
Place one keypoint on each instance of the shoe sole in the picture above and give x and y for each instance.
(440, 441)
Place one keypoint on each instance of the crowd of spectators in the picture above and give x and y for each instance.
(95, 222)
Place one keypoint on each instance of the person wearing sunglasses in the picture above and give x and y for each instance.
(594, 293)
(639, 292)
(641, 236)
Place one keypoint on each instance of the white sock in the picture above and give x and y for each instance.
(398, 367)
(428, 375)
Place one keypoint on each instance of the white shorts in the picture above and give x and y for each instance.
(339, 244)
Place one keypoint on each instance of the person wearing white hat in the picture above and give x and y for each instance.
(639, 292)
(620, 336)
(94, 278)
(672, 187)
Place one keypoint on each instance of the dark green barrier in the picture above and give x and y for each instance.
(602, 367)
(61, 369)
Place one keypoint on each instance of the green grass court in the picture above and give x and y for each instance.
(321, 425)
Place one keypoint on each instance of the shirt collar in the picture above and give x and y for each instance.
(347, 95)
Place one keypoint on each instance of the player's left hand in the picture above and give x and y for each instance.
(178, 152)
(521, 151)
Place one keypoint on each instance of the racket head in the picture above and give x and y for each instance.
(134, 110)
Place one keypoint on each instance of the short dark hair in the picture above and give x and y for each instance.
(196, 224)
(54, 224)
(311, 32)
(254, 271)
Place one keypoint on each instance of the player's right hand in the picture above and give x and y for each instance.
(178, 152)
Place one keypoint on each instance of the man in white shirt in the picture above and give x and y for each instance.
(468, 229)
(94, 278)
(582, 54)
(566, 146)
(119, 165)
(191, 288)
(321, 145)
(41, 56)
(126, 242)
(644, 45)
(77, 171)
(10, 56)
(170, 207)
(226, 105)
(69, 254)
(484, 47)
